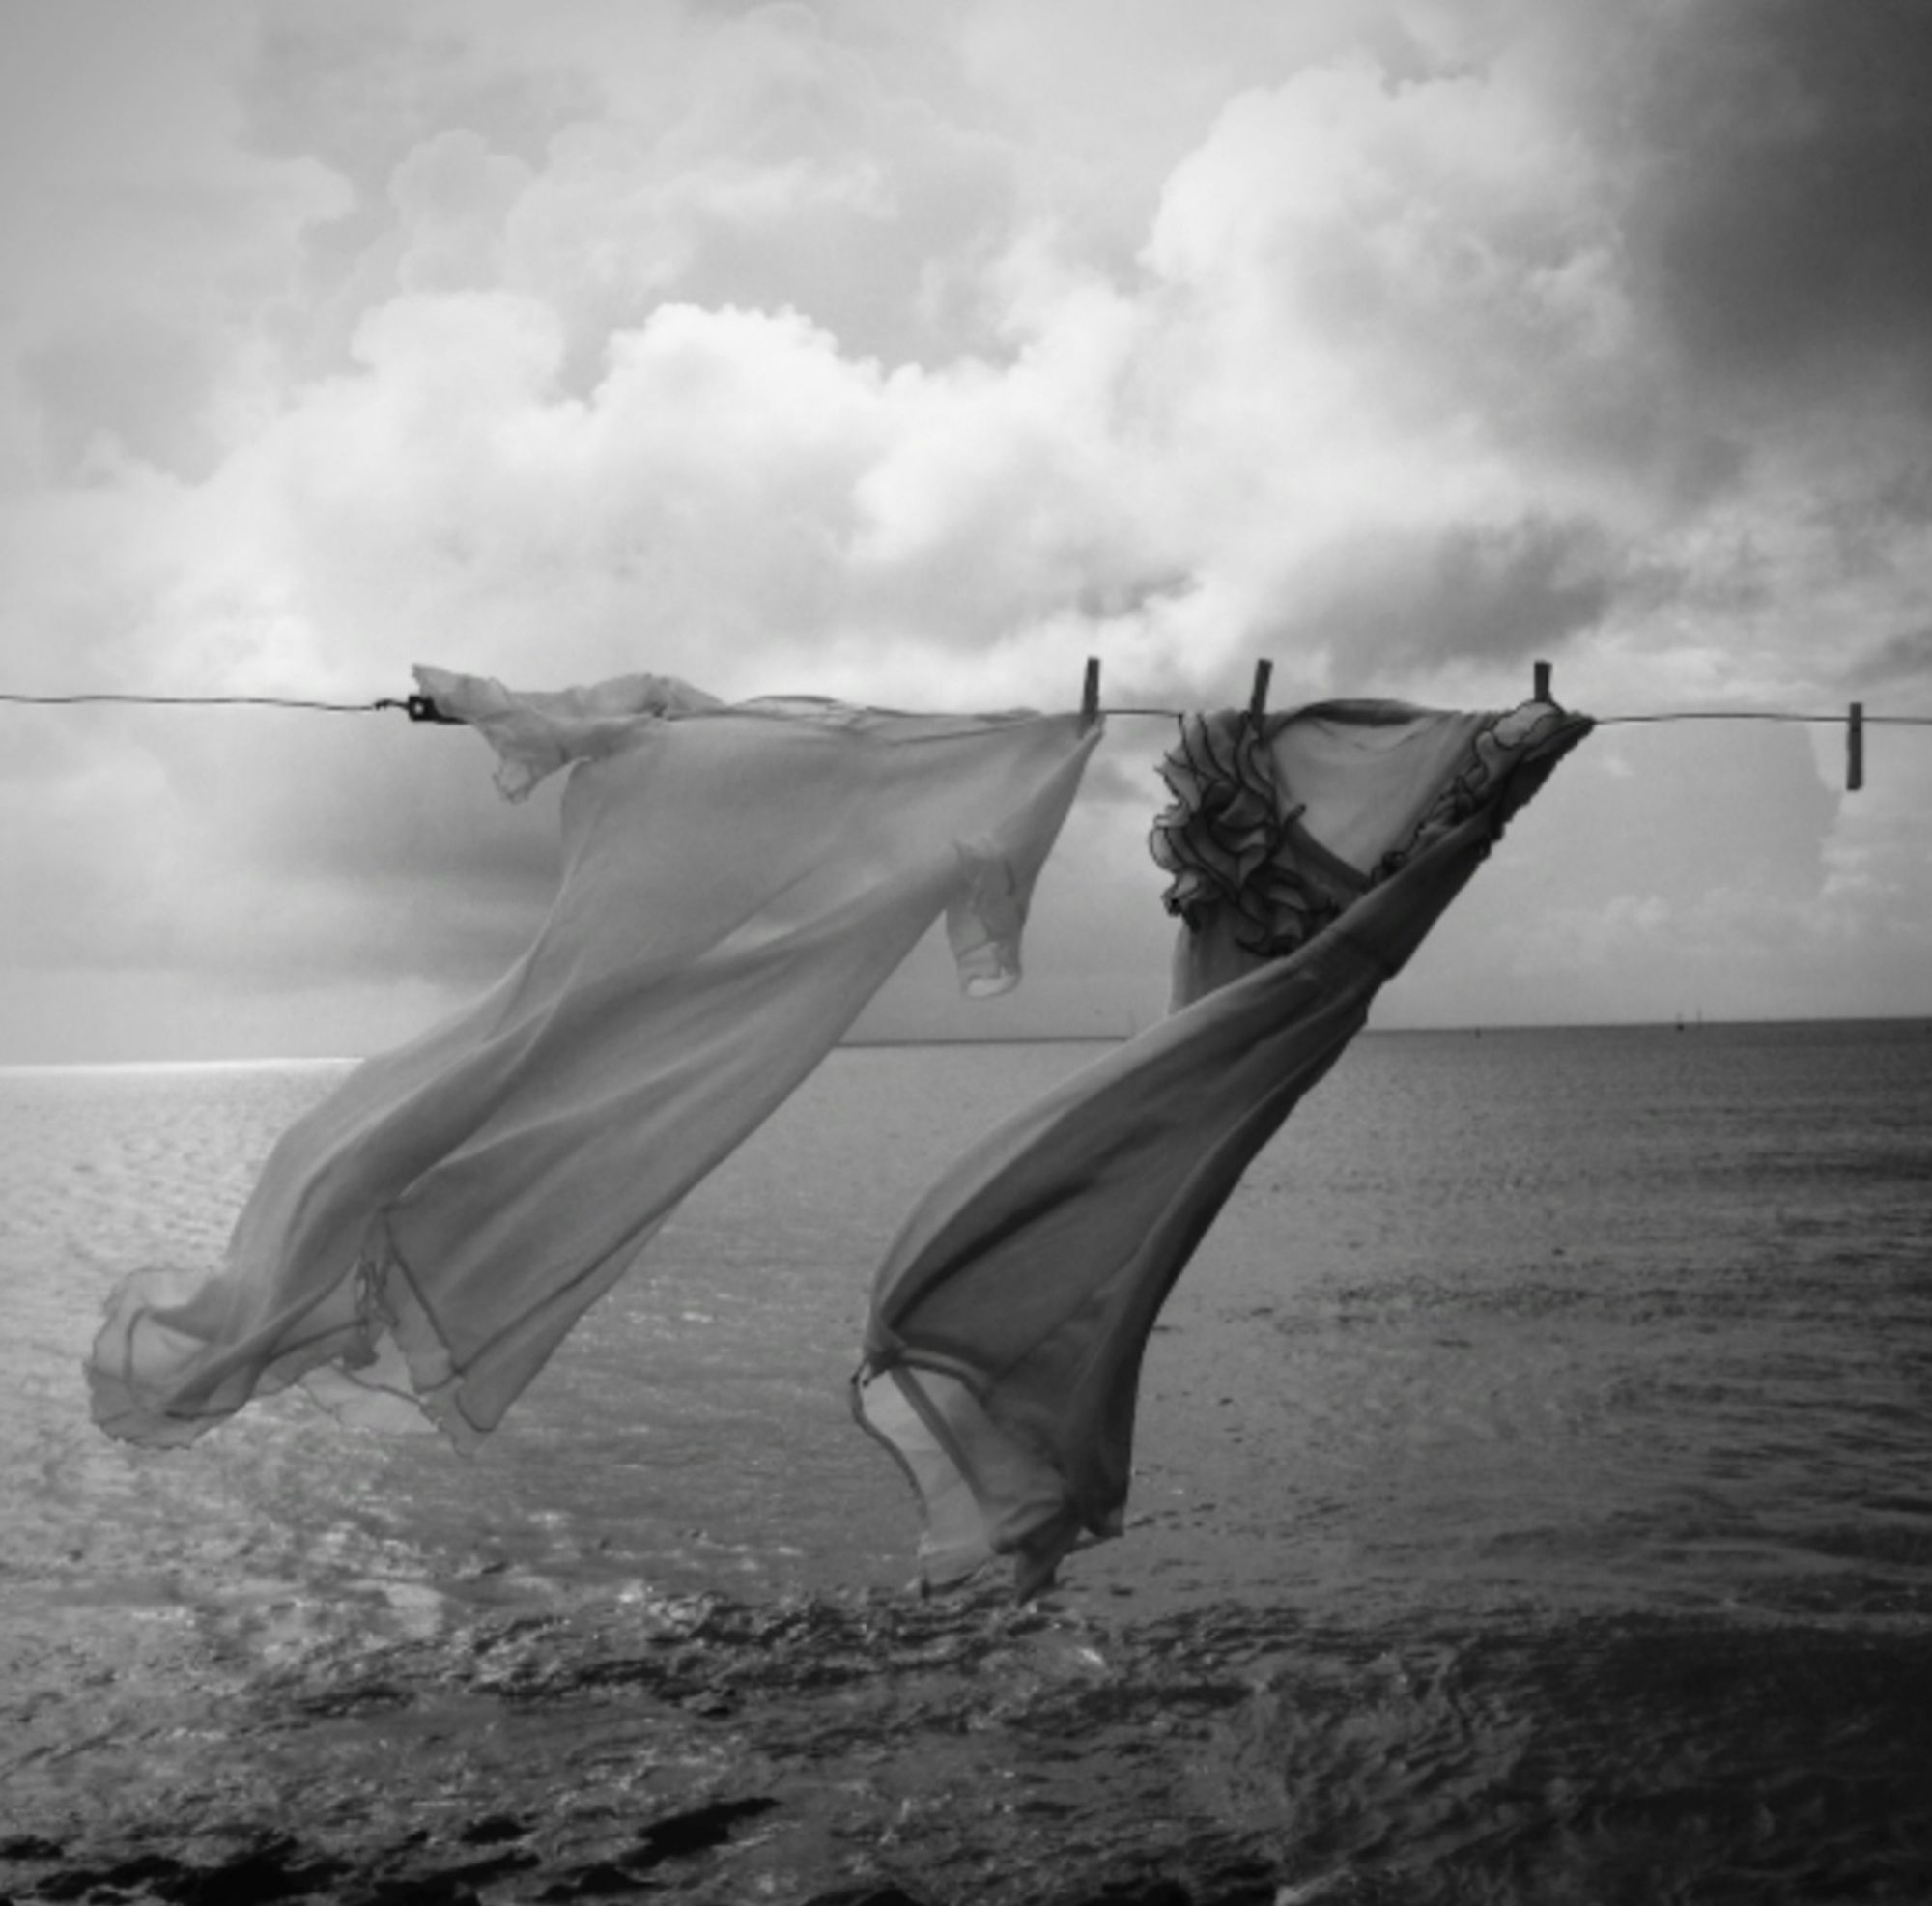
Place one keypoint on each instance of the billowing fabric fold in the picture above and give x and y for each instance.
(737, 882)
(1010, 1317)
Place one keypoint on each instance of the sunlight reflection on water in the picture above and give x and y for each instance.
(1535, 1450)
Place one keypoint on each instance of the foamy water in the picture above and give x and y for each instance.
(1532, 1503)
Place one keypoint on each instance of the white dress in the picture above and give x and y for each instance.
(737, 882)
(1312, 854)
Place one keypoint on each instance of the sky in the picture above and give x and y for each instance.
(911, 352)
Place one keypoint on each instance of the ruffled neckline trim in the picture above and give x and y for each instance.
(1233, 838)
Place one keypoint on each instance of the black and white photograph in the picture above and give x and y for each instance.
(966, 954)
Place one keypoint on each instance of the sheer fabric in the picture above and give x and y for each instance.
(737, 882)
(1008, 1320)
(1278, 825)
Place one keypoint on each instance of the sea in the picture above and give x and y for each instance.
(1533, 1504)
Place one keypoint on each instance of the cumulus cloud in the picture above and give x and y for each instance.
(914, 354)
(144, 241)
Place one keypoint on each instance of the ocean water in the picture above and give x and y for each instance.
(1534, 1503)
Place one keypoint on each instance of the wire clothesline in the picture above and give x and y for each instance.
(205, 702)
(423, 708)
(410, 704)
(1668, 715)
(1541, 690)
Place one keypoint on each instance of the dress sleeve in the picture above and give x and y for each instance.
(986, 916)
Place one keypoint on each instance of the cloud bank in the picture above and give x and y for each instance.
(912, 355)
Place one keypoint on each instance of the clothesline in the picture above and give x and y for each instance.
(731, 894)
(1671, 715)
(203, 701)
(421, 707)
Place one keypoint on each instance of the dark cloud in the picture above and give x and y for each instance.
(1784, 211)
(279, 849)
(1497, 592)
(384, 849)
(1505, 591)
(1902, 658)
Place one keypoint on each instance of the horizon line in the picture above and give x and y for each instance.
(1470, 1028)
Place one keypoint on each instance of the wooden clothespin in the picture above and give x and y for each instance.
(1089, 695)
(1257, 702)
(1854, 747)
